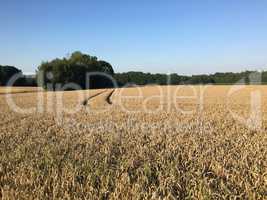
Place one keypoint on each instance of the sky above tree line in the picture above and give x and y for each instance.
(181, 36)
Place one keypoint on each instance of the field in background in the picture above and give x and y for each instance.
(4, 90)
(177, 142)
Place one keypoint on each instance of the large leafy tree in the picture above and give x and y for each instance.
(73, 70)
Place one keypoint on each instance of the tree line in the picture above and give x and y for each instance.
(140, 78)
(7, 72)
(73, 69)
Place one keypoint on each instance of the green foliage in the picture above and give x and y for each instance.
(7, 72)
(1, 75)
(141, 78)
(29, 80)
(106, 67)
(73, 70)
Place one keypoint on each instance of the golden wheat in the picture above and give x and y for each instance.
(4, 90)
(171, 142)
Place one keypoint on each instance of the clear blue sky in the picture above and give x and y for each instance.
(187, 37)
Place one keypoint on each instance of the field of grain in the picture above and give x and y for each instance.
(4, 90)
(169, 142)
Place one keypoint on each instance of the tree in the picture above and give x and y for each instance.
(106, 67)
(7, 72)
(1, 76)
(74, 70)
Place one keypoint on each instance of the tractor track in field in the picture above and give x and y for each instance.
(106, 98)
(85, 102)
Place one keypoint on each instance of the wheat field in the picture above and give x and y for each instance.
(4, 90)
(154, 142)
